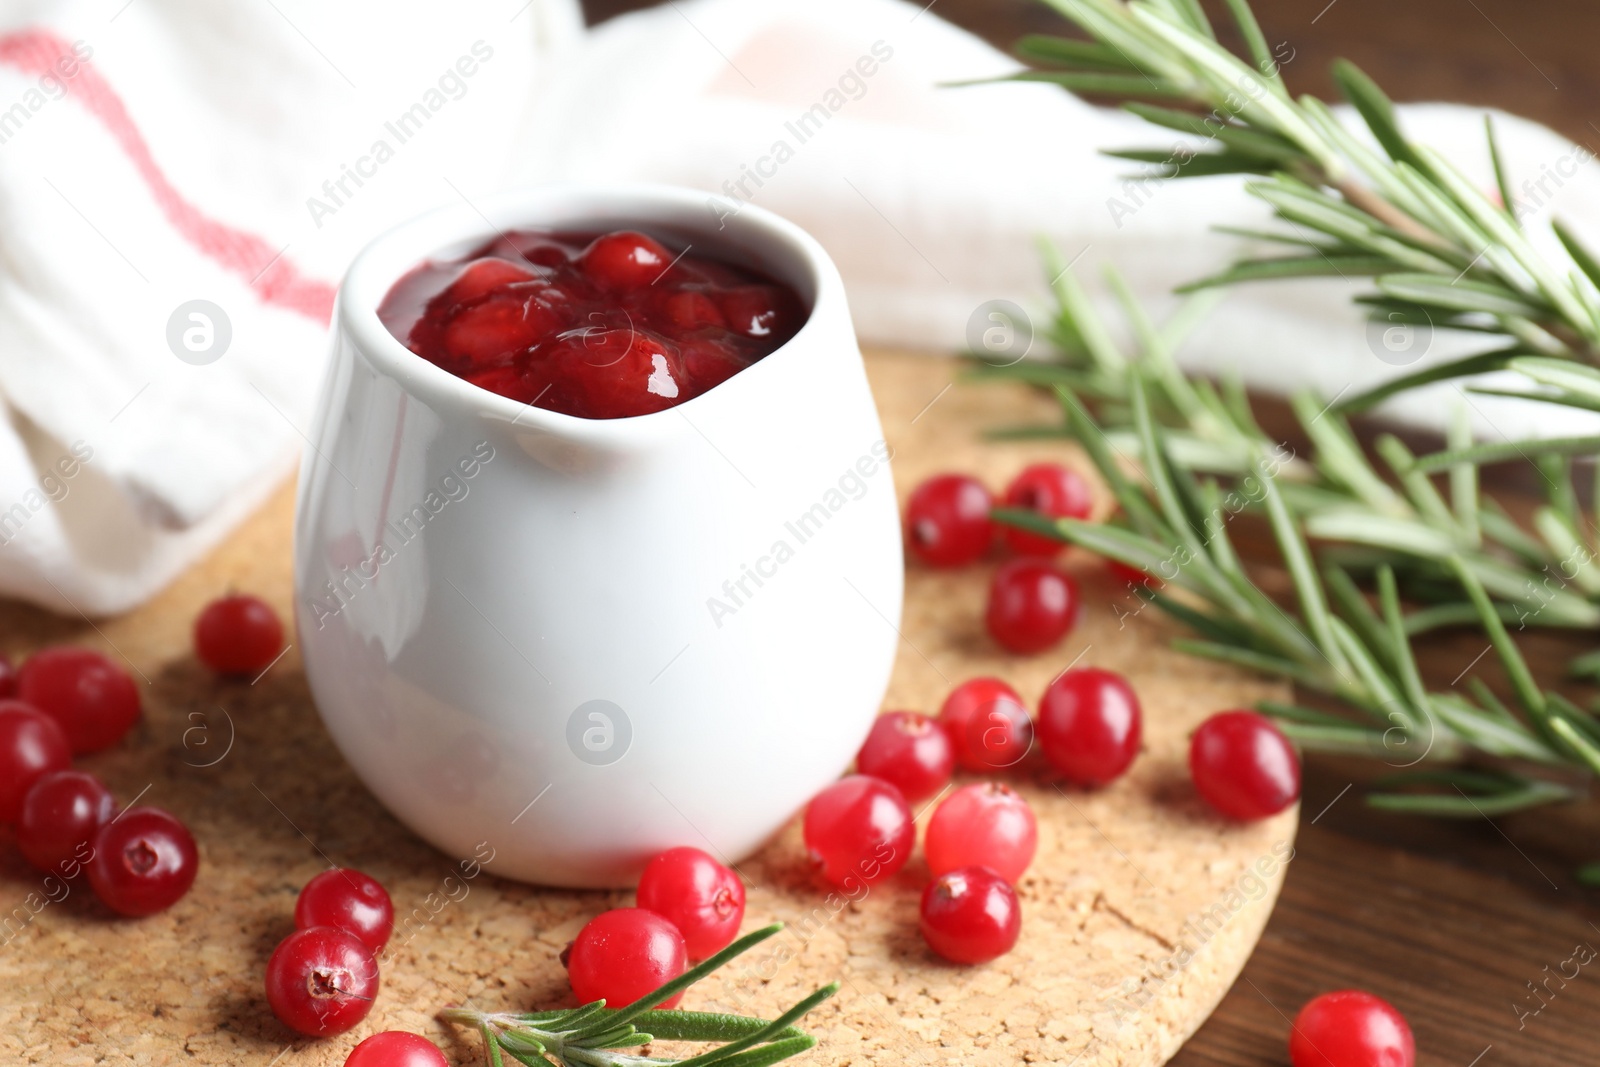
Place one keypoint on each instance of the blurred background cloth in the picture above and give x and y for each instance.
(241, 154)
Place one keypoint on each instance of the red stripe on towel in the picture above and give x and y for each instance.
(275, 279)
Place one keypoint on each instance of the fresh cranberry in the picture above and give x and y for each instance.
(1052, 490)
(238, 634)
(93, 700)
(859, 831)
(8, 678)
(988, 724)
(1243, 765)
(31, 745)
(144, 862)
(623, 954)
(1089, 725)
(970, 915)
(321, 981)
(1032, 605)
(60, 815)
(984, 823)
(912, 752)
(624, 260)
(396, 1048)
(1350, 1029)
(698, 895)
(350, 901)
(947, 521)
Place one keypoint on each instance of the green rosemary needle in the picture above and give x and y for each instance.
(591, 1035)
(1377, 552)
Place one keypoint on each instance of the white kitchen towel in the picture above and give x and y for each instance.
(159, 153)
(931, 199)
(162, 153)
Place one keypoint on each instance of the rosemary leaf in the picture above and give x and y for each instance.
(771, 1053)
(1068, 52)
(1502, 181)
(1505, 451)
(1256, 42)
(1578, 251)
(1320, 265)
(775, 1030)
(1531, 794)
(1481, 363)
(1177, 451)
(1376, 110)
(1093, 81)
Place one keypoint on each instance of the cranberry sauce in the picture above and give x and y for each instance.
(601, 327)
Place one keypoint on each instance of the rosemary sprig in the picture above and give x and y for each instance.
(588, 1036)
(1184, 456)
(1392, 514)
(1438, 247)
(1441, 253)
(1334, 641)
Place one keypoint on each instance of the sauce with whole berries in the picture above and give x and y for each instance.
(599, 326)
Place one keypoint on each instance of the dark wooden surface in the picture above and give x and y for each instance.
(1453, 922)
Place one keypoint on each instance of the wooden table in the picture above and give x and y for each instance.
(1451, 921)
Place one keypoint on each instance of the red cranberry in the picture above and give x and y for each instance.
(396, 1048)
(1089, 725)
(947, 521)
(60, 816)
(858, 831)
(698, 895)
(988, 724)
(1350, 1029)
(624, 954)
(144, 862)
(31, 745)
(238, 634)
(970, 915)
(321, 981)
(93, 700)
(8, 678)
(1243, 765)
(1032, 605)
(909, 751)
(1052, 490)
(350, 901)
(624, 260)
(984, 824)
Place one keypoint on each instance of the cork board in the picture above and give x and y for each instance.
(1139, 910)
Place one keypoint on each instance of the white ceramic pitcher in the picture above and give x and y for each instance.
(577, 642)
